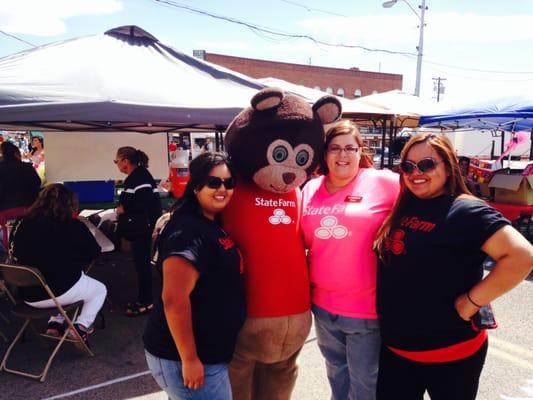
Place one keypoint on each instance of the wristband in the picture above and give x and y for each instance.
(472, 301)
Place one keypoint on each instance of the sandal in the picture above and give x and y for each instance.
(135, 309)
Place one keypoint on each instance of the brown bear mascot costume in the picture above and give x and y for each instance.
(274, 145)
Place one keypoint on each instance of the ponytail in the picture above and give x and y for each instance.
(134, 156)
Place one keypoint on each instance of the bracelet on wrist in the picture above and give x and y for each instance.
(472, 301)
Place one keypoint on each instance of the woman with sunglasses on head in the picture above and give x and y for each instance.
(138, 210)
(342, 213)
(191, 335)
(430, 277)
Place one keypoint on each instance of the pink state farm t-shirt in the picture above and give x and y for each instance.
(339, 230)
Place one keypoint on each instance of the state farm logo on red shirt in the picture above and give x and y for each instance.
(394, 242)
(329, 227)
(259, 201)
(279, 217)
(226, 242)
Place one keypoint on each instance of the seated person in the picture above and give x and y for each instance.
(52, 240)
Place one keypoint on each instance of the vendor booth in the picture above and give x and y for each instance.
(123, 84)
(506, 183)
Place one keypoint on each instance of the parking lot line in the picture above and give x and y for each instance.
(100, 385)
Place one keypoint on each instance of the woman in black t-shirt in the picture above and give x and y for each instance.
(191, 335)
(430, 277)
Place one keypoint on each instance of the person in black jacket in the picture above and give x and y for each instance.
(138, 210)
(19, 183)
(60, 246)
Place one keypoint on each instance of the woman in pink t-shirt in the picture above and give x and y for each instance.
(342, 212)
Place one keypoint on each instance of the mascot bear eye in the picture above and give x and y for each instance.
(280, 153)
(302, 157)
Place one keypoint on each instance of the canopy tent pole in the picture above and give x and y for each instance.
(531, 144)
(219, 142)
(383, 138)
(502, 143)
(392, 127)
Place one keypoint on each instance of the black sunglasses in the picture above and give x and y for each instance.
(214, 182)
(424, 165)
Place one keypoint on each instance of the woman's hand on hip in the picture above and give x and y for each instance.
(465, 308)
(193, 373)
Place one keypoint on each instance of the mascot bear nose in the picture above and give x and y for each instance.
(288, 177)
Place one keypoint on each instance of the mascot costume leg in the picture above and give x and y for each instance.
(274, 146)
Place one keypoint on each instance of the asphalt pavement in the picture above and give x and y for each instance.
(118, 369)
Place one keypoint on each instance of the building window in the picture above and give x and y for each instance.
(317, 88)
(340, 92)
(357, 93)
(329, 90)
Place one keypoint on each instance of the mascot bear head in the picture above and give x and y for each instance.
(278, 141)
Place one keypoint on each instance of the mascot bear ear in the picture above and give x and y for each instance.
(266, 99)
(328, 109)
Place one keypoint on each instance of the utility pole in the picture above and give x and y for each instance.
(420, 47)
(438, 86)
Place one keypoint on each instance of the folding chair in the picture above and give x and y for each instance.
(19, 276)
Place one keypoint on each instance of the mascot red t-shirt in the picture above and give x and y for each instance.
(266, 227)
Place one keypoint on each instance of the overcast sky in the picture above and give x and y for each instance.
(483, 48)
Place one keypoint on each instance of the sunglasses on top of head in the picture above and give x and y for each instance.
(214, 182)
(424, 165)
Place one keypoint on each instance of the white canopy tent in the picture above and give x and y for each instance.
(122, 80)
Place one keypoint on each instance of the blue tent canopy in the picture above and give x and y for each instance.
(510, 114)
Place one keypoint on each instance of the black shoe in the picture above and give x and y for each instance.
(137, 308)
(82, 332)
(55, 329)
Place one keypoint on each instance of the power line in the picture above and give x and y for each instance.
(17, 38)
(313, 9)
(480, 70)
(261, 30)
(257, 28)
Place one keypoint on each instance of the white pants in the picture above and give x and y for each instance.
(88, 290)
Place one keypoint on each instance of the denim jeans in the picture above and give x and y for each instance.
(351, 349)
(167, 374)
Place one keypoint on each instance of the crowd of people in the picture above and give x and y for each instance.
(395, 267)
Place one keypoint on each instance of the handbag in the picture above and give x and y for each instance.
(133, 227)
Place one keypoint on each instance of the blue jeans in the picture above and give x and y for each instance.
(167, 374)
(351, 349)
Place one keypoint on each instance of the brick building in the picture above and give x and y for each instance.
(350, 83)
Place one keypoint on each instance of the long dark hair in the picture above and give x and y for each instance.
(54, 201)
(34, 149)
(199, 170)
(10, 152)
(454, 186)
(345, 127)
(134, 156)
